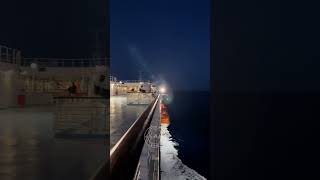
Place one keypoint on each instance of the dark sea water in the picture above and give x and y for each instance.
(255, 136)
(266, 136)
(189, 126)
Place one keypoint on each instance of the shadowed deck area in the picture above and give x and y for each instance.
(28, 149)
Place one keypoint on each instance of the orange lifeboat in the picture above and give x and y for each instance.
(165, 120)
(164, 116)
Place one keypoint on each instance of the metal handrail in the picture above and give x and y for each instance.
(13, 56)
(136, 81)
(60, 62)
(9, 55)
(77, 97)
(149, 162)
(139, 98)
(131, 81)
(72, 112)
(124, 156)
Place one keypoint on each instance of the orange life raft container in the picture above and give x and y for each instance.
(164, 116)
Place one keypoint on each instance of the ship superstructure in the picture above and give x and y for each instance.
(57, 110)
(26, 82)
(136, 91)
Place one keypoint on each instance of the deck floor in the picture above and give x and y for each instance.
(28, 149)
(122, 116)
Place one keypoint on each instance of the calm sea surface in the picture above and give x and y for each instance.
(189, 129)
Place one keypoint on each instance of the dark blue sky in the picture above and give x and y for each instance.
(166, 39)
(54, 28)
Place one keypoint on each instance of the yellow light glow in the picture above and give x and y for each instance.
(162, 90)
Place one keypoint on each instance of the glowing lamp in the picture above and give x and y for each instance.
(162, 90)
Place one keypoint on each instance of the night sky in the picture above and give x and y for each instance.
(265, 110)
(54, 28)
(266, 46)
(166, 40)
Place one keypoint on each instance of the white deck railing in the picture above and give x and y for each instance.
(13, 56)
(140, 98)
(56, 62)
(10, 55)
(81, 116)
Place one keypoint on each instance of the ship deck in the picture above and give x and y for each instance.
(122, 116)
(29, 150)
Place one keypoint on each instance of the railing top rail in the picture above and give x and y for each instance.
(151, 109)
(134, 81)
(66, 62)
(66, 59)
(13, 56)
(9, 55)
(131, 141)
(67, 97)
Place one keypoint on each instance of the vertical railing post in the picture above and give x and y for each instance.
(11, 55)
(14, 56)
(7, 55)
(0, 53)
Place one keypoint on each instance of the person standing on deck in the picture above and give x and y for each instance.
(72, 89)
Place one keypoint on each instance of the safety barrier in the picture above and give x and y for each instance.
(55, 62)
(9, 55)
(13, 56)
(81, 116)
(149, 162)
(124, 156)
(139, 98)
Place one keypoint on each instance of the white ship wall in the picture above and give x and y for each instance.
(122, 89)
(11, 85)
(63, 73)
(8, 88)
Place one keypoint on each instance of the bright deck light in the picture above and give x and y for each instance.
(162, 90)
